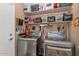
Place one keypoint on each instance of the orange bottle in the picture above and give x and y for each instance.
(26, 31)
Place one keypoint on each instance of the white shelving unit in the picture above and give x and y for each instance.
(49, 11)
(56, 22)
(54, 10)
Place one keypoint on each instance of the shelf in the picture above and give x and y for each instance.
(61, 22)
(37, 23)
(51, 22)
(61, 9)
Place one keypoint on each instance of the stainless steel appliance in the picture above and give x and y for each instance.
(57, 36)
(59, 48)
(27, 46)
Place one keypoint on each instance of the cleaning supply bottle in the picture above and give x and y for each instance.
(26, 30)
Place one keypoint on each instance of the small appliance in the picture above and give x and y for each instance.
(27, 8)
(49, 6)
(35, 7)
(38, 20)
(65, 4)
(59, 17)
(67, 17)
(51, 19)
(44, 19)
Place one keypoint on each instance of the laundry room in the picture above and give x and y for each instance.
(47, 29)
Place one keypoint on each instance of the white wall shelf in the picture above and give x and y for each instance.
(56, 22)
(61, 9)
